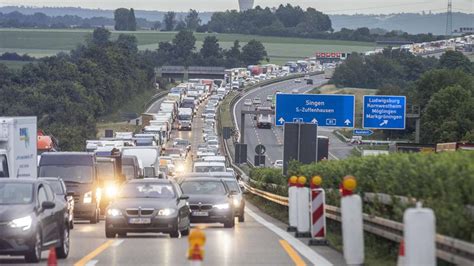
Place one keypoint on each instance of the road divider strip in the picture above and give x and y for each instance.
(94, 253)
(292, 253)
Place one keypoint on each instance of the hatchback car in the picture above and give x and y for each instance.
(210, 201)
(148, 206)
(248, 102)
(59, 187)
(32, 219)
(257, 101)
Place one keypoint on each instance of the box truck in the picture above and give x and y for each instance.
(18, 141)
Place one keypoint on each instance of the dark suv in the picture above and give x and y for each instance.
(32, 219)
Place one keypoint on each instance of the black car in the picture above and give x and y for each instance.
(148, 205)
(210, 200)
(59, 187)
(32, 219)
(238, 199)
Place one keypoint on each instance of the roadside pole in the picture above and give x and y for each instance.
(352, 224)
(292, 204)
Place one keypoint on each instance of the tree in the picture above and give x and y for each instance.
(192, 20)
(128, 43)
(253, 52)
(121, 17)
(156, 25)
(211, 48)
(233, 55)
(449, 115)
(100, 36)
(132, 22)
(184, 43)
(290, 16)
(456, 59)
(181, 25)
(169, 21)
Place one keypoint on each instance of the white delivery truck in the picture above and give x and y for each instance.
(18, 154)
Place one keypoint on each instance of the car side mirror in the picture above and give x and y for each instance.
(183, 197)
(70, 194)
(48, 205)
(244, 190)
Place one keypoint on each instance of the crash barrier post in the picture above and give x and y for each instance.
(303, 220)
(419, 233)
(196, 240)
(318, 213)
(292, 204)
(352, 223)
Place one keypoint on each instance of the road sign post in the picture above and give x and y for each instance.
(325, 110)
(384, 112)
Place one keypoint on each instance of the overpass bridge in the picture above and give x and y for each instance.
(190, 72)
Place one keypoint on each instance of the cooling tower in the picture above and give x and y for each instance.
(245, 5)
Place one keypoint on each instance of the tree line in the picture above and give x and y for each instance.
(69, 92)
(442, 88)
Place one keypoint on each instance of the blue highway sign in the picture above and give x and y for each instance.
(335, 110)
(362, 132)
(384, 112)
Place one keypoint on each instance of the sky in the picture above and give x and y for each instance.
(326, 6)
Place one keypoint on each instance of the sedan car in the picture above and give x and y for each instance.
(297, 80)
(59, 187)
(248, 102)
(210, 201)
(182, 143)
(32, 219)
(269, 98)
(278, 164)
(257, 101)
(148, 206)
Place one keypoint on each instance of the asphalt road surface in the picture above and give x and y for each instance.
(272, 138)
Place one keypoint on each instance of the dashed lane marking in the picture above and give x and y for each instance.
(94, 253)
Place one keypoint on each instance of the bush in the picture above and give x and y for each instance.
(443, 182)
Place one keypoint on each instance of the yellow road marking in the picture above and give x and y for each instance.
(292, 253)
(94, 253)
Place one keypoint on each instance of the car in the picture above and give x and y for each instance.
(148, 205)
(210, 201)
(309, 82)
(59, 187)
(294, 91)
(212, 143)
(278, 164)
(238, 199)
(297, 80)
(182, 143)
(209, 116)
(32, 219)
(209, 111)
(174, 153)
(210, 121)
(257, 101)
(269, 98)
(248, 102)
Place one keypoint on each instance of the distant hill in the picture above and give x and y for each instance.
(408, 22)
(89, 13)
(413, 23)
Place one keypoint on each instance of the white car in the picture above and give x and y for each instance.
(257, 101)
(278, 164)
(297, 80)
(294, 91)
(269, 98)
(248, 102)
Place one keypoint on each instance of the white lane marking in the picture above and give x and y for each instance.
(92, 263)
(302, 248)
(117, 243)
(333, 156)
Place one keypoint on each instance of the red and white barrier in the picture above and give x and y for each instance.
(318, 217)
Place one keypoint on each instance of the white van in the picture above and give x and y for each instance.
(149, 156)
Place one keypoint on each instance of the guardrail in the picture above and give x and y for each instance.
(447, 248)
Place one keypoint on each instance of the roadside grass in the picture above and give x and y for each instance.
(47, 42)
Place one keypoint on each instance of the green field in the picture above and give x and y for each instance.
(39, 43)
(14, 64)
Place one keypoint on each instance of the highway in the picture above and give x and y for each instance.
(272, 139)
(260, 240)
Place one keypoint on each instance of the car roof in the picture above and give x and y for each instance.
(203, 179)
(17, 180)
(50, 178)
(149, 180)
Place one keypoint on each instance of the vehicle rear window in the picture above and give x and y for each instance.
(203, 188)
(15, 193)
(209, 169)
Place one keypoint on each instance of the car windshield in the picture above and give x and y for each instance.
(182, 142)
(68, 173)
(147, 190)
(232, 185)
(203, 188)
(128, 171)
(208, 168)
(56, 186)
(106, 171)
(16, 193)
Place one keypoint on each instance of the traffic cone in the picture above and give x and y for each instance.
(52, 258)
(196, 256)
(401, 254)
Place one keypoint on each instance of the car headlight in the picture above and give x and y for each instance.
(23, 223)
(87, 197)
(180, 168)
(236, 202)
(222, 206)
(114, 212)
(111, 191)
(166, 212)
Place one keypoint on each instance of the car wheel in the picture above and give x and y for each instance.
(242, 218)
(63, 250)
(110, 233)
(95, 217)
(230, 223)
(185, 232)
(122, 234)
(71, 224)
(174, 234)
(34, 254)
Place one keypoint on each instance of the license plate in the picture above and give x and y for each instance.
(200, 214)
(140, 220)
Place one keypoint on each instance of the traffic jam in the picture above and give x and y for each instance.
(169, 175)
